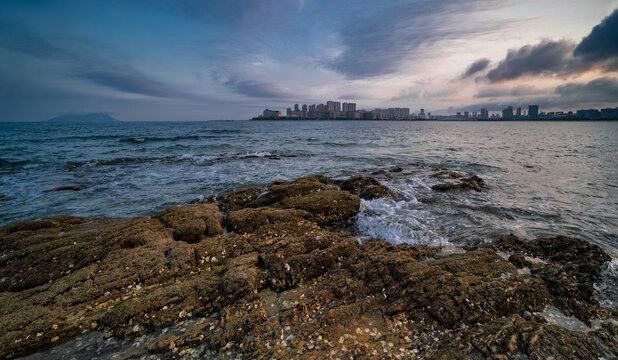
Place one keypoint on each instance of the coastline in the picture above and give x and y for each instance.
(279, 272)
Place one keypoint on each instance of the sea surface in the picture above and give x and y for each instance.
(544, 178)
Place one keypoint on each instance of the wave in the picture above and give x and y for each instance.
(398, 222)
(204, 160)
(606, 291)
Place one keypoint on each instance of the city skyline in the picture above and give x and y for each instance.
(335, 110)
(185, 60)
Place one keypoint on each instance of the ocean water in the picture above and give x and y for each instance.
(544, 178)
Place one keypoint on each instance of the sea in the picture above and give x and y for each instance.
(543, 178)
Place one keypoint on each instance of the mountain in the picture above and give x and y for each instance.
(84, 118)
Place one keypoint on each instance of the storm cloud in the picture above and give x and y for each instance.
(602, 43)
(476, 67)
(545, 58)
(563, 57)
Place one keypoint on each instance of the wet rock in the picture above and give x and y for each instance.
(365, 187)
(282, 285)
(191, 222)
(239, 199)
(250, 219)
(473, 182)
(5, 198)
(569, 267)
(280, 190)
(326, 206)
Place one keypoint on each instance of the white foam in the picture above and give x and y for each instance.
(398, 222)
(606, 291)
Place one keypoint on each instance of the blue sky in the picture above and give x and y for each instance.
(201, 60)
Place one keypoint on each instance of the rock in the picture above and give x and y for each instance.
(189, 223)
(569, 268)
(239, 199)
(278, 191)
(326, 206)
(396, 169)
(250, 219)
(282, 285)
(5, 198)
(473, 182)
(365, 187)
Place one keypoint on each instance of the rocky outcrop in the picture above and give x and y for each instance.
(365, 187)
(279, 284)
(191, 223)
(472, 182)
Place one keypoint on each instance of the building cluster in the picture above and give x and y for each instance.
(335, 110)
(509, 113)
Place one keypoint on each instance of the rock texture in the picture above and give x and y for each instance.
(281, 284)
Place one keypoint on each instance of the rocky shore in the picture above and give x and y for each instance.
(279, 273)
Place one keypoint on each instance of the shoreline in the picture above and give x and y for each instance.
(279, 272)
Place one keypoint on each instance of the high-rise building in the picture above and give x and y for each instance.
(296, 107)
(466, 114)
(507, 114)
(484, 113)
(305, 108)
(348, 107)
(518, 114)
(533, 112)
(271, 114)
(330, 105)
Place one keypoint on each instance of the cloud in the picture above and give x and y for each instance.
(597, 93)
(602, 43)
(602, 90)
(30, 44)
(504, 92)
(255, 88)
(379, 40)
(477, 66)
(414, 93)
(130, 81)
(563, 57)
(547, 57)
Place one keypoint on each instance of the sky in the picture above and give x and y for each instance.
(141, 60)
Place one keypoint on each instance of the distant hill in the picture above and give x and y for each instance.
(84, 118)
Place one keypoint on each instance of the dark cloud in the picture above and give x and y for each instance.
(130, 81)
(597, 93)
(548, 57)
(477, 66)
(255, 88)
(602, 90)
(379, 40)
(504, 92)
(597, 50)
(602, 43)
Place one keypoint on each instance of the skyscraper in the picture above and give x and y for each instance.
(507, 114)
(518, 114)
(533, 112)
(484, 113)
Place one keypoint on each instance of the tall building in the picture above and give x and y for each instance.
(507, 114)
(330, 105)
(296, 107)
(484, 113)
(518, 114)
(533, 112)
(271, 114)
